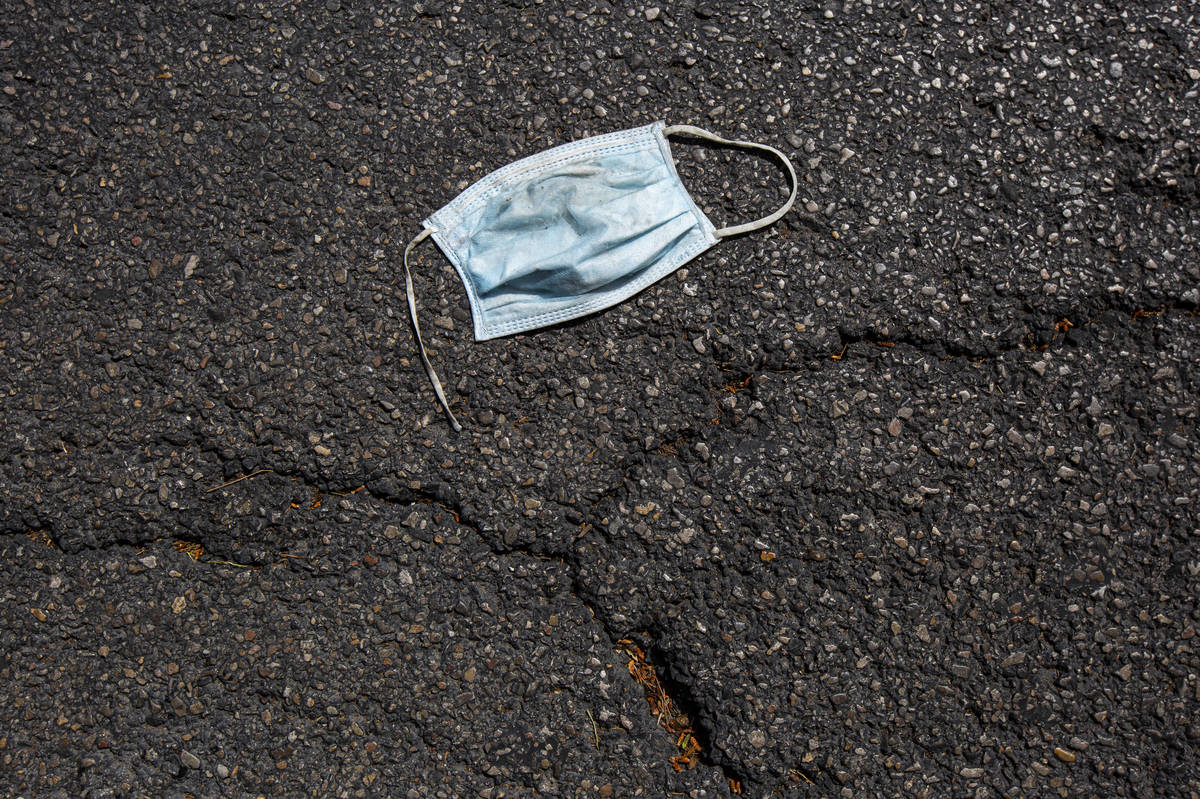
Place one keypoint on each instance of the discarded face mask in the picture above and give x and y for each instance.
(573, 230)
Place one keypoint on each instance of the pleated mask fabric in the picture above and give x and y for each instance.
(573, 230)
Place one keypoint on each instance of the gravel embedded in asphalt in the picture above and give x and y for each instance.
(898, 495)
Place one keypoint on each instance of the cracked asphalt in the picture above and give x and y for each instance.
(899, 495)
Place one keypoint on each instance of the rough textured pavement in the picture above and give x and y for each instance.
(898, 496)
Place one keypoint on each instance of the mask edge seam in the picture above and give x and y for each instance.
(665, 147)
(451, 255)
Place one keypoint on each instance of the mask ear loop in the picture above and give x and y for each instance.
(412, 312)
(734, 230)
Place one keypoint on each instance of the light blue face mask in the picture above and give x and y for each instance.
(573, 230)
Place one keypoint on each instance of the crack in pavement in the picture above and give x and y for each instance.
(1029, 339)
(386, 491)
(396, 492)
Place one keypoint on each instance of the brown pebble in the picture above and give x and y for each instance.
(38, 614)
(1064, 755)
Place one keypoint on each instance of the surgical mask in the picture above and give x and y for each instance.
(573, 230)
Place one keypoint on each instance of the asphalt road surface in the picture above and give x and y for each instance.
(897, 497)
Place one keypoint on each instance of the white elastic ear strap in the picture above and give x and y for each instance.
(734, 230)
(412, 312)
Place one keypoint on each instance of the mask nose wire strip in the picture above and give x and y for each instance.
(412, 312)
(734, 230)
